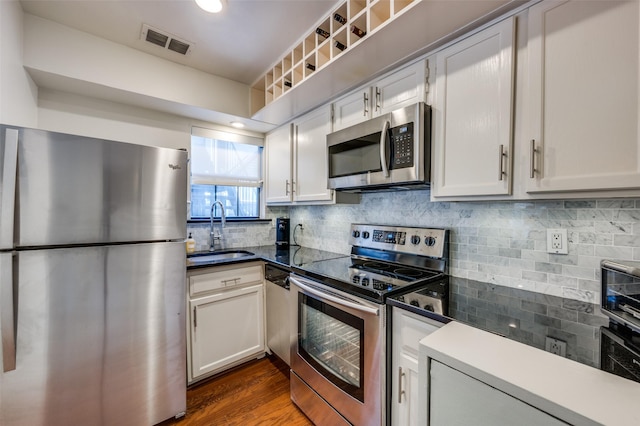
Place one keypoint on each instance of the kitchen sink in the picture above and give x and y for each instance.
(221, 255)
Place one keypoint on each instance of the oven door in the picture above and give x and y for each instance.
(617, 356)
(338, 352)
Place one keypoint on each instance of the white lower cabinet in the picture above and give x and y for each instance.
(226, 323)
(407, 331)
(458, 399)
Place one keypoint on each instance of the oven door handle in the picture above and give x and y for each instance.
(338, 300)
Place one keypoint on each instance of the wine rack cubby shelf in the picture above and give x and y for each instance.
(315, 51)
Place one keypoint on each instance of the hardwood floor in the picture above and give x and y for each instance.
(256, 393)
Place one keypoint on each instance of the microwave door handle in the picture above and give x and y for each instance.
(383, 148)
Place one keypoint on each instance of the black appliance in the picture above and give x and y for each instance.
(620, 301)
(620, 351)
(282, 232)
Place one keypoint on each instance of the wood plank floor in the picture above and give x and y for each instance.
(256, 393)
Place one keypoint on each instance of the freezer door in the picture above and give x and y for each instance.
(100, 337)
(78, 190)
(8, 165)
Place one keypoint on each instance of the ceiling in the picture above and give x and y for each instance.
(240, 43)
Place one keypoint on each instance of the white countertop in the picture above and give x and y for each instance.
(566, 389)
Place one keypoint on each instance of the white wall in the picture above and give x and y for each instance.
(18, 93)
(80, 115)
(67, 56)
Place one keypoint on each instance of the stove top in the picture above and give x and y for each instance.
(385, 260)
(372, 280)
(430, 298)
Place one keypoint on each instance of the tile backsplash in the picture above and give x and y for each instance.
(500, 243)
(240, 234)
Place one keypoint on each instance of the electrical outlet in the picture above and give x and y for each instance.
(557, 241)
(556, 346)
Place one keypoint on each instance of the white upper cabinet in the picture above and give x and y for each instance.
(278, 147)
(398, 89)
(583, 97)
(473, 114)
(296, 162)
(310, 156)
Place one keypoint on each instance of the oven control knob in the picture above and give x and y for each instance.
(428, 307)
(415, 239)
(355, 234)
(414, 303)
(430, 241)
(365, 282)
(365, 234)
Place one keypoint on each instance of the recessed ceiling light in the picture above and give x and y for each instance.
(212, 6)
(237, 124)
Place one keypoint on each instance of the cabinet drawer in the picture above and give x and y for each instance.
(224, 276)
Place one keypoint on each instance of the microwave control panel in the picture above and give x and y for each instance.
(401, 138)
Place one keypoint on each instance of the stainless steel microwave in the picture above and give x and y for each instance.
(389, 151)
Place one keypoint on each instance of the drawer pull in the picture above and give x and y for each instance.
(234, 281)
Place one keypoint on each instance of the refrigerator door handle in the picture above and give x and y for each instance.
(7, 313)
(8, 185)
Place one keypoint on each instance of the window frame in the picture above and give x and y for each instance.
(241, 137)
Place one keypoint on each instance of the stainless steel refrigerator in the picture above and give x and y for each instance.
(92, 280)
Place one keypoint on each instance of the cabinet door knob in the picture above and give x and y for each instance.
(366, 104)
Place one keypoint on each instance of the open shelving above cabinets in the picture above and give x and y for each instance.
(393, 33)
(346, 26)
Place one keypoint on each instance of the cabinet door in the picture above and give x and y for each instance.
(399, 89)
(583, 100)
(278, 323)
(408, 330)
(226, 327)
(278, 183)
(458, 399)
(352, 109)
(473, 114)
(310, 164)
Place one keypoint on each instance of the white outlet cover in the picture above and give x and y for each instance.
(564, 243)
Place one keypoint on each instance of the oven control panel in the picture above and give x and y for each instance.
(430, 242)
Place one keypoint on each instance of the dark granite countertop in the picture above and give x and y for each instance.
(521, 315)
(294, 256)
(525, 316)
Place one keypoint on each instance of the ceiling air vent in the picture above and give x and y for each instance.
(165, 40)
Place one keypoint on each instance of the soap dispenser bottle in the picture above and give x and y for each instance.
(191, 244)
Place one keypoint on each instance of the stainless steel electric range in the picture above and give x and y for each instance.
(338, 346)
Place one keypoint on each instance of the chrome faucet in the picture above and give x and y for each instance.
(216, 237)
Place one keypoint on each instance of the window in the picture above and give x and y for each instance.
(225, 167)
